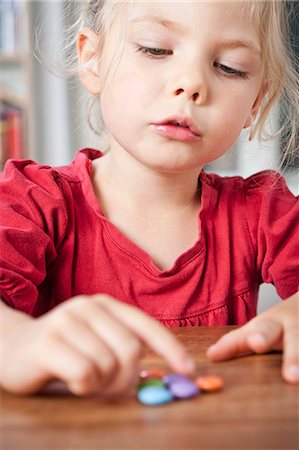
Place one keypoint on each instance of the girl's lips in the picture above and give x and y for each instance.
(176, 132)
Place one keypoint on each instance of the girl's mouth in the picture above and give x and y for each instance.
(176, 131)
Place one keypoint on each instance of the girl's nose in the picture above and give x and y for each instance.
(191, 86)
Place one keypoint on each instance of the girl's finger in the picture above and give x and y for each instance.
(59, 361)
(230, 345)
(82, 338)
(267, 334)
(125, 379)
(290, 367)
(78, 372)
(257, 336)
(126, 347)
(154, 335)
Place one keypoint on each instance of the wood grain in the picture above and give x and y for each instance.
(255, 410)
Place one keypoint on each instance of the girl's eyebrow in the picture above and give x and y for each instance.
(238, 43)
(179, 28)
(176, 26)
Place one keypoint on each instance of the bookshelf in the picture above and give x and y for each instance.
(16, 93)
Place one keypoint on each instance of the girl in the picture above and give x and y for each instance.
(90, 251)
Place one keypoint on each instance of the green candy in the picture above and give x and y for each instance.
(151, 382)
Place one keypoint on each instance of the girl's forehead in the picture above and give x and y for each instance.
(183, 16)
(188, 12)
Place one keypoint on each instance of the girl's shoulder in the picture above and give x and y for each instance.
(39, 198)
(41, 193)
(25, 182)
(26, 173)
(267, 183)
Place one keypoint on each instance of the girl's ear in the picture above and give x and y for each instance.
(256, 105)
(87, 51)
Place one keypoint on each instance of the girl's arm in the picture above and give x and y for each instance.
(274, 329)
(93, 344)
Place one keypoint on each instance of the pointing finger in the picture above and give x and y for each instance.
(154, 335)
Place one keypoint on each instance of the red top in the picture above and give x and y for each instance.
(56, 243)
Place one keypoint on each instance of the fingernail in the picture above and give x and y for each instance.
(211, 348)
(213, 345)
(292, 373)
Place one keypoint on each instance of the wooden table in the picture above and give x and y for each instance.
(255, 410)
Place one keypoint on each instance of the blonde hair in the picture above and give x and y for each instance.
(271, 19)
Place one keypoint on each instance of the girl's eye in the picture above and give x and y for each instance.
(230, 72)
(155, 53)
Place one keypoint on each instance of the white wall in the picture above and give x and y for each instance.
(51, 104)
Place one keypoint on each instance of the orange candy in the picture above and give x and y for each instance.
(209, 383)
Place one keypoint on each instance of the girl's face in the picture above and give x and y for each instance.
(196, 63)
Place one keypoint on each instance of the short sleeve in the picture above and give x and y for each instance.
(272, 215)
(32, 225)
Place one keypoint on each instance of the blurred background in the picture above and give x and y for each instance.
(43, 116)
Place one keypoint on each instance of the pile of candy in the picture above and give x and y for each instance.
(156, 387)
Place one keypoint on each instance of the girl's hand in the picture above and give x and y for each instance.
(274, 329)
(92, 344)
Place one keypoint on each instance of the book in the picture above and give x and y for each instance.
(12, 132)
(3, 128)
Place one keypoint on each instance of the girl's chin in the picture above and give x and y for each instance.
(171, 167)
(163, 158)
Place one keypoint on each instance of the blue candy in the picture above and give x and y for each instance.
(154, 395)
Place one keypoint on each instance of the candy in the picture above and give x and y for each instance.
(146, 374)
(151, 382)
(156, 387)
(154, 395)
(180, 386)
(173, 377)
(209, 383)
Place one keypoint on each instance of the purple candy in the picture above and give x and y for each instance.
(180, 386)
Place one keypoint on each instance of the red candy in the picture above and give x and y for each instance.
(148, 374)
